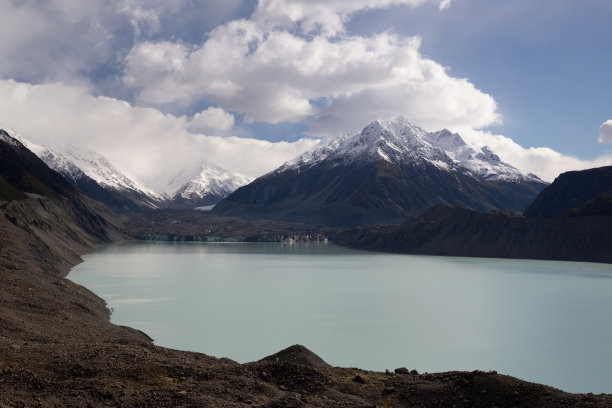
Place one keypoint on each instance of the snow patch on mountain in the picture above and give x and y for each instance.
(9, 136)
(399, 141)
(73, 164)
(98, 168)
(212, 181)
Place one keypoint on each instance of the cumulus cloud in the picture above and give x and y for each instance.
(605, 132)
(76, 40)
(55, 38)
(211, 119)
(142, 142)
(278, 76)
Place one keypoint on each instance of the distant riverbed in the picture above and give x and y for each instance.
(542, 321)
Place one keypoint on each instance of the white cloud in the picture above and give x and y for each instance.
(278, 76)
(211, 119)
(542, 161)
(142, 142)
(324, 16)
(141, 17)
(69, 40)
(55, 38)
(605, 132)
(444, 4)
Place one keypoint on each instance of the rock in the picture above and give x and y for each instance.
(298, 354)
(359, 379)
(402, 370)
(388, 390)
(414, 372)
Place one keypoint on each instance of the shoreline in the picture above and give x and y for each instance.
(170, 304)
(58, 347)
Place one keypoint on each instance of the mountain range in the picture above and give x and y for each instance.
(390, 171)
(570, 220)
(575, 192)
(97, 177)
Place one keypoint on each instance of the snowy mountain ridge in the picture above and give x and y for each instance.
(399, 141)
(212, 180)
(95, 166)
(205, 184)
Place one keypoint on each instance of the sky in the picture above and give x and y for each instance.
(161, 86)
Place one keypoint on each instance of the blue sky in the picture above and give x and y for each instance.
(548, 64)
(249, 84)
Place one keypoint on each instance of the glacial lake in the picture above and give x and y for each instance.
(541, 321)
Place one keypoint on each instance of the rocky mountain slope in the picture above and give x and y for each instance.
(454, 231)
(390, 171)
(572, 190)
(571, 220)
(22, 173)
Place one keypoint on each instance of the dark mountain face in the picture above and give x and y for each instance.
(456, 231)
(21, 171)
(116, 200)
(377, 193)
(389, 172)
(572, 190)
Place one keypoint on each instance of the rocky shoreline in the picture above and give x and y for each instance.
(58, 347)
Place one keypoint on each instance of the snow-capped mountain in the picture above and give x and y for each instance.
(209, 187)
(97, 177)
(94, 175)
(398, 141)
(389, 171)
(72, 163)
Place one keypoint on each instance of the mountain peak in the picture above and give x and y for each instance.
(390, 170)
(213, 182)
(399, 141)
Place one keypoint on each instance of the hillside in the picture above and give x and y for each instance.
(22, 172)
(572, 190)
(454, 231)
(570, 220)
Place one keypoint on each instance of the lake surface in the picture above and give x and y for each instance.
(548, 322)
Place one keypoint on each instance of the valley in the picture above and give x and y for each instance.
(59, 347)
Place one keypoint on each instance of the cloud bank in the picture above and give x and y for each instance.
(142, 142)
(337, 85)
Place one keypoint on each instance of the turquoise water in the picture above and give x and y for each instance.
(548, 322)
